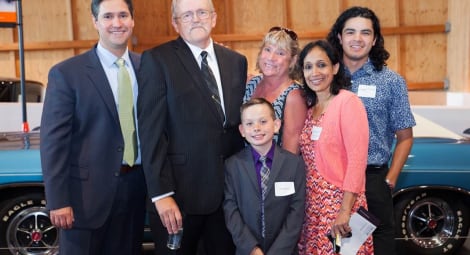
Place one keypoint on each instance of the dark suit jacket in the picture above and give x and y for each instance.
(81, 140)
(284, 214)
(184, 142)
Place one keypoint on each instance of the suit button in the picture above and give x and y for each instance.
(116, 174)
(120, 149)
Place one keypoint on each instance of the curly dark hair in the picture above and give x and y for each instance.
(340, 79)
(378, 55)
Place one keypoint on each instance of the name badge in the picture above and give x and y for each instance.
(316, 132)
(367, 91)
(282, 189)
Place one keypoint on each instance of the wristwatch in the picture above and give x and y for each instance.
(390, 185)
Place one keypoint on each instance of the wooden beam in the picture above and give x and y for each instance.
(83, 44)
(410, 30)
(438, 85)
(402, 30)
(228, 20)
(401, 41)
(75, 25)
(288, 14)
(57, 45)
(458, 46)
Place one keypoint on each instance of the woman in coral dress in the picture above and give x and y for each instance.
(334, 144)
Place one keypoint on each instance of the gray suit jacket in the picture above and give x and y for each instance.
(81, 139)
(284, 213)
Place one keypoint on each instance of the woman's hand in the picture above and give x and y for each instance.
(341, 224)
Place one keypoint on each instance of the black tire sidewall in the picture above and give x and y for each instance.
(11, 208)
(409, 201)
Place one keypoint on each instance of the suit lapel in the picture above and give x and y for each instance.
(276, 167)
(98, 78)
(135, 59)
(248, 166)
(225, 77)
(189, 63)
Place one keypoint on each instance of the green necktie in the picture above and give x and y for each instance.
(126, 113)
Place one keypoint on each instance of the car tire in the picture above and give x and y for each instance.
(25, 227)
(431, 223)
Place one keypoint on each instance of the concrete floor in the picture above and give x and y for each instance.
(466, 248)
(464, 251)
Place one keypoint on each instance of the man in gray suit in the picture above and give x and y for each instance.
(264, 187)
(95, 196)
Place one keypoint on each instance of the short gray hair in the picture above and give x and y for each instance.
(175, 2)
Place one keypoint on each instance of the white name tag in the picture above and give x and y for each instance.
(282, 189)
(366, 91)
(316, 132)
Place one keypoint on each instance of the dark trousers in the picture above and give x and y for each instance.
(202, 234)
(380, 204)
(122, 232)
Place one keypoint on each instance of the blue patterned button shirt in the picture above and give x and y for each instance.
(388, 108)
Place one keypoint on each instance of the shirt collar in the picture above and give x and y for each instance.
(197, 51)
(367, 68)
(269, 155)
(108, 58)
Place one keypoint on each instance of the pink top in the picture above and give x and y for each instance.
(341, 149)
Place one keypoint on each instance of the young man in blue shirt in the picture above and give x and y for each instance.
(357, 37)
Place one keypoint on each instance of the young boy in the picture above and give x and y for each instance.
(271, 225)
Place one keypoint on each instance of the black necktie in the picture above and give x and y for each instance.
(211, 84)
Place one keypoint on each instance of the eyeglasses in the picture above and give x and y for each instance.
(188, 16)
(291, 33)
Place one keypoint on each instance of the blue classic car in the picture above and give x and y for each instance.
(432, 197)
(25, 227)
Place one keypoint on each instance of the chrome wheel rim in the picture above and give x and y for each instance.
(431, 223)
(31, 233)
